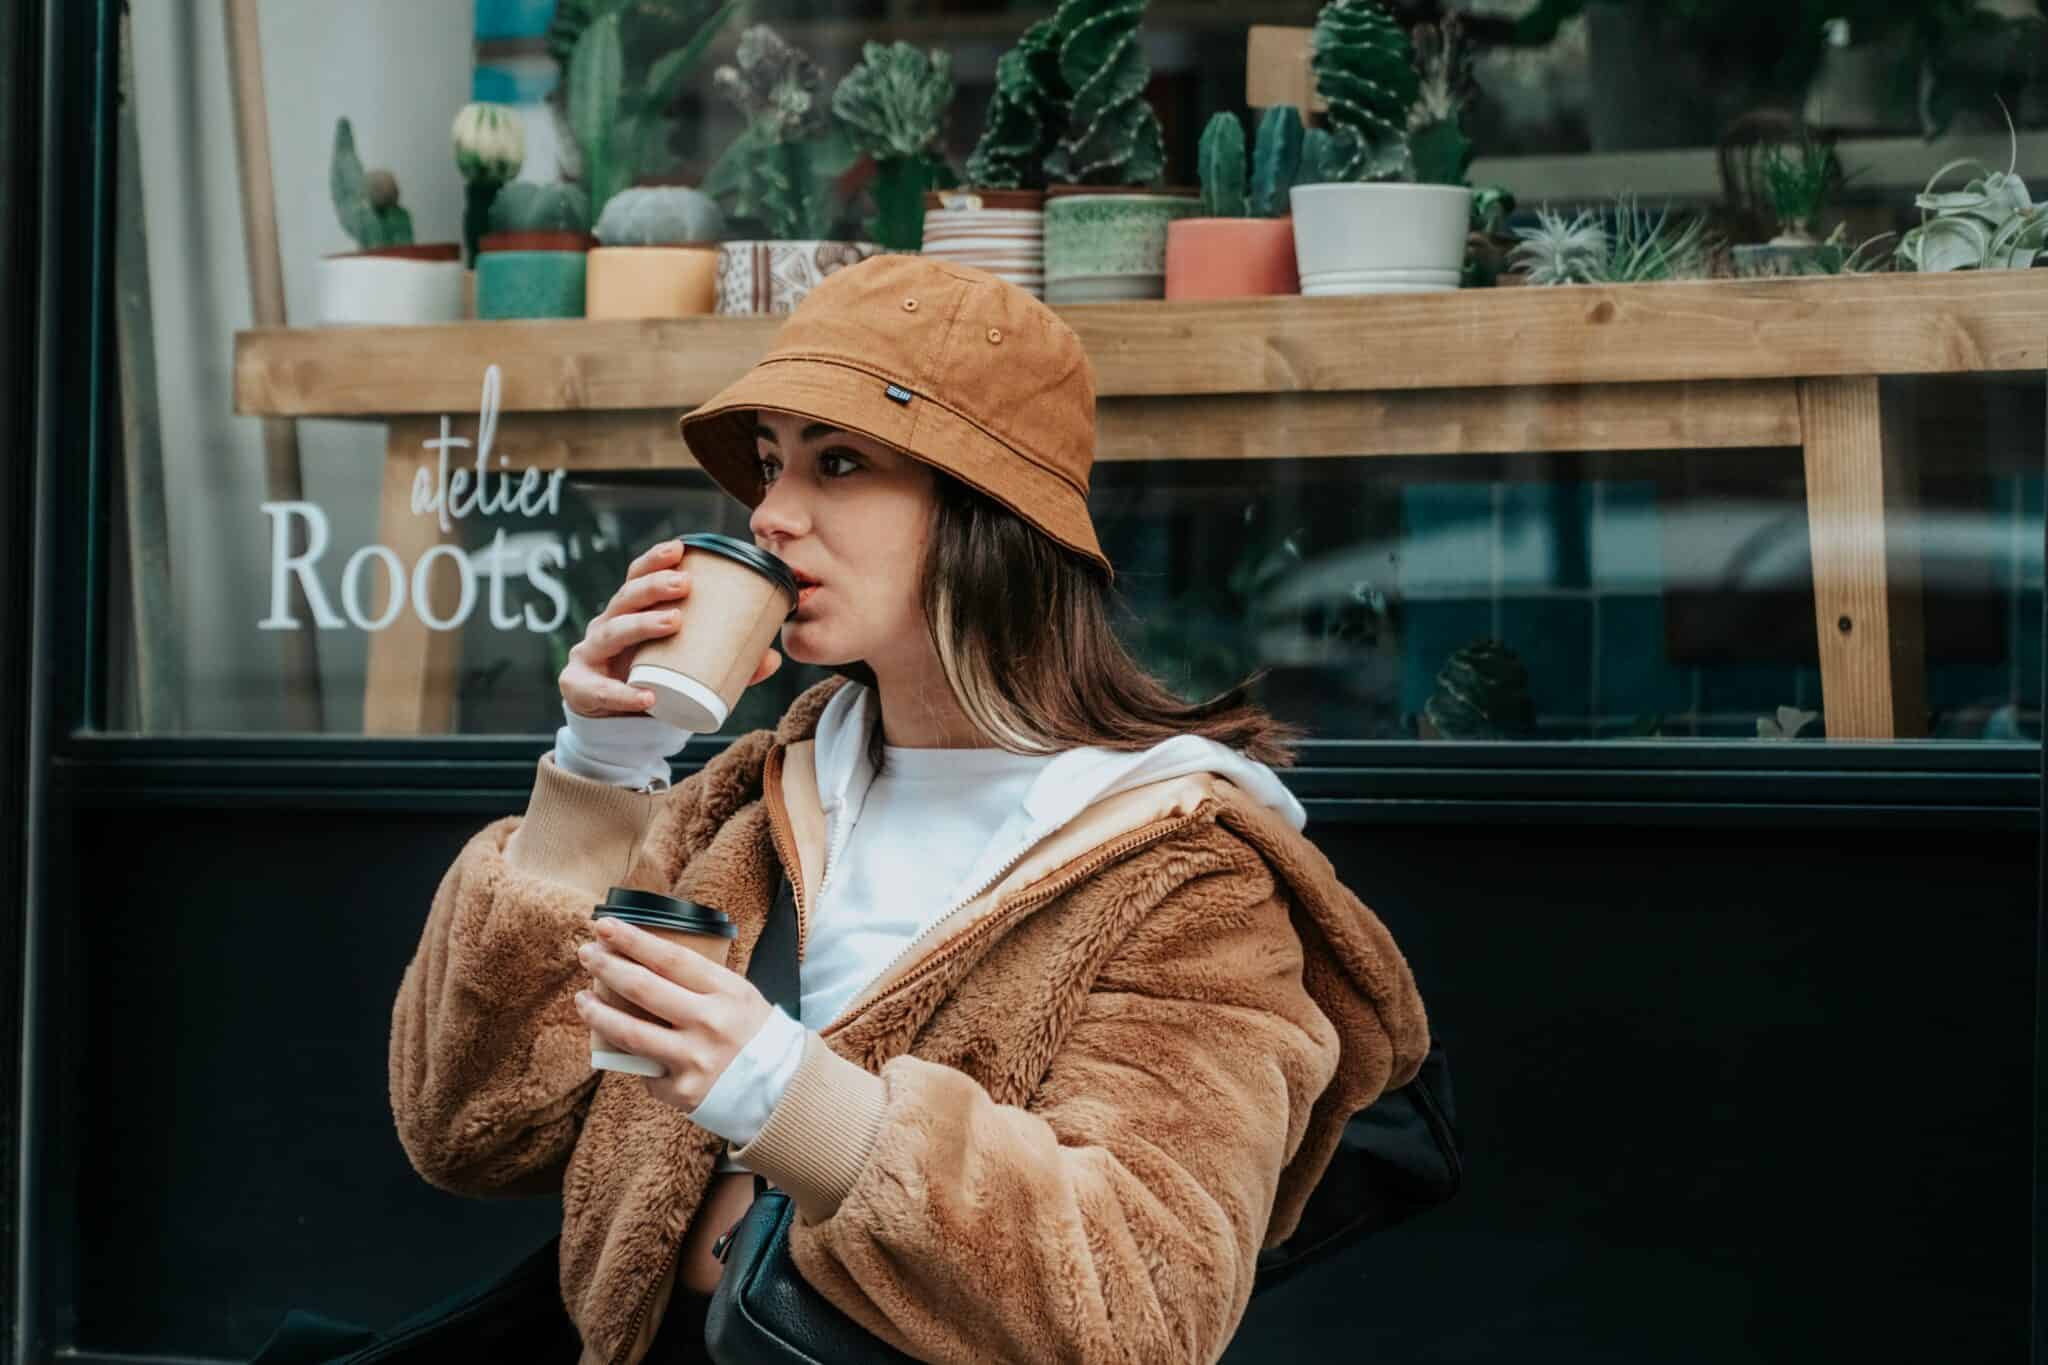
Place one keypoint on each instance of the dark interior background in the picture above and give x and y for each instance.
(1727, 1093)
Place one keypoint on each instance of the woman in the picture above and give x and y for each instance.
(1082, 1013)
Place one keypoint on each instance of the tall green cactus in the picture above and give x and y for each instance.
(1365, 70)
(894, 108)
(1070, 105)
(1276, 165)
(1438, 150)
(778, 171)
(365, 201)
(1112, 135)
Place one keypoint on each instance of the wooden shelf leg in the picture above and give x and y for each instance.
(1860, 495)
(410, 685)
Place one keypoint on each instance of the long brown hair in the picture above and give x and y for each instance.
(1023, 628)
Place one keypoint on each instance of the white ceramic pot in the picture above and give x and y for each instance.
(1380, 239)
(389, 290)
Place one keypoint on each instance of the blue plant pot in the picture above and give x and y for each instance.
(529, 284)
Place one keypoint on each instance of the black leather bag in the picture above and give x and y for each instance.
(1395, 1159)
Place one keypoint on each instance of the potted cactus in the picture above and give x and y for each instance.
(893, 106)
(531, 263)
(1105, 211)
(490, 147)
(779, 174)
(389, 278)
(1243, 245)
(1383, 207)
(659, 257)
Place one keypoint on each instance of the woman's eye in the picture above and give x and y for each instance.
(838, 462)
(768, 469)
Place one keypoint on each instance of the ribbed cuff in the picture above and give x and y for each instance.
(579, 831)
(820, 1136)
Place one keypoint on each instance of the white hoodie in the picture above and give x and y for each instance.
(952, 821)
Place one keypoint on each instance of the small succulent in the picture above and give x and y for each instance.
(1559, 250)
(660, 216)
(779, 169)
(1628, 245)
(894, 108)
(1275, 165)
(1992, 223)
(365, 201)
(524, 206)
(490, 147)
(1482, 692)
(1069, 105)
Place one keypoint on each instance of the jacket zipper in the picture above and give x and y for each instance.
(1077, 871)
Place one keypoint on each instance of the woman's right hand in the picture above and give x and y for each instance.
(593, 682)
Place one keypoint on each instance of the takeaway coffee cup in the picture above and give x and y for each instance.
(739, 598)
(697, 927)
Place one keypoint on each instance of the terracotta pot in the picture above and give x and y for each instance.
(651, 281)
(536, 241)
(1104, 245)
(1230, 258)
(1000, 231)
(773, 277)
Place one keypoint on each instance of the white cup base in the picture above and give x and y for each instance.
(680, 699)
(631, 1063)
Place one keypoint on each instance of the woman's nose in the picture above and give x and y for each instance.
(780, 514)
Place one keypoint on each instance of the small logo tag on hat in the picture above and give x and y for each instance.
(899, 394)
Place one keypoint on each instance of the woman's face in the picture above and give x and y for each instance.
(850, 516)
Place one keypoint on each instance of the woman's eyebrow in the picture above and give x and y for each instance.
(816, 431)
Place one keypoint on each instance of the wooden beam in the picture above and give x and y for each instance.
(1277, 70)
(1866, 573)
(1961, 322)
(1646, 417)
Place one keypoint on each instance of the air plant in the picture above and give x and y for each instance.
(1992, 223)
(1798, 184)
(1559, 250)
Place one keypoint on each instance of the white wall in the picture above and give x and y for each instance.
(399, 69)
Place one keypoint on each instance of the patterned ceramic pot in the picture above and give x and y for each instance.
(1101, 247)
(773, 277)
(529, 284)
(651, 281)
(1000, 231)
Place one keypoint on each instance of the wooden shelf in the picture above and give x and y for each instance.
(1470, 339)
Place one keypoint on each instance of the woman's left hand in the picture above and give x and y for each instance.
(711, 1012)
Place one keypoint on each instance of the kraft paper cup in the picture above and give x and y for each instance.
(688, 924)
(739, 597)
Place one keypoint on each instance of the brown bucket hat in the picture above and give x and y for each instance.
(949, 364)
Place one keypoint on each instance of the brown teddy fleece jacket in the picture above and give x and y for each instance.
(1060, 1129)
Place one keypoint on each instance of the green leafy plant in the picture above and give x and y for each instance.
(1227, 191)
(1069, 105)
(622, 128)
(490, 147)
(660, 216)
(365, 201)
(1992, 223)
(1798, 182)
(524, 206)
(893, 106)
(779, 170)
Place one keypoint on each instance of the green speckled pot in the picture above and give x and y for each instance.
(529, 284)
(1100, 248)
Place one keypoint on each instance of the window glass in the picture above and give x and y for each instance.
(1718, 416)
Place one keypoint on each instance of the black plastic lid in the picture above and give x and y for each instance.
(653, 910)
(753, 556)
